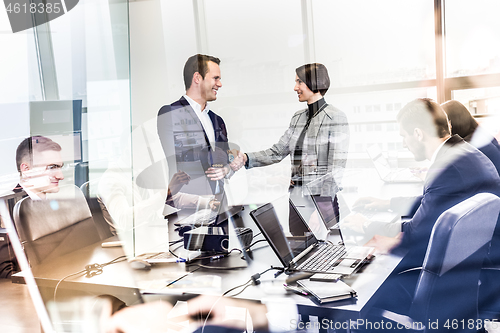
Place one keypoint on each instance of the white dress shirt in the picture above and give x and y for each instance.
(434, 155)
(205, 120)
(208, 127)
(31, 194)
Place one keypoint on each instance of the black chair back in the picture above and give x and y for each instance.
(448, 284)
(54, 227)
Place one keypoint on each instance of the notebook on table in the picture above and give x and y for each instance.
(305, 252)
(322, 292)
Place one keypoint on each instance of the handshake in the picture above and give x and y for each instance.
(239, 159)
(218, 173)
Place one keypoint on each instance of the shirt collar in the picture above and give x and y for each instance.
(433, 159)
(31, 194)
(196, 107)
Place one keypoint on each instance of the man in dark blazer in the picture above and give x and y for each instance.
(192, 136)
(457, 172)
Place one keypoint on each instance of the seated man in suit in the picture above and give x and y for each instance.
(426, 133)
(457, 172)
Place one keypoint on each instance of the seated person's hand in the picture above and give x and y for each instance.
(355, 222)
(215, 309)
(214, 204)
(371, 203)
(384, 244)
(239, 161)
(179, 179)
(419, 172)
(147, 317)
(206, 310)
(217, 173)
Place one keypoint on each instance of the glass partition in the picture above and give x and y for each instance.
(116, 63)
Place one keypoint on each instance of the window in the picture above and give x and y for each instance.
(403, 49)
(471, 28)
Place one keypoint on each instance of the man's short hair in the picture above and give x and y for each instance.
(426, 114)
(24, 152)
(315, 76)
(197, 63)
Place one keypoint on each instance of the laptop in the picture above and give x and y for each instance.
(388, 175)
(332, 211)
(306, 253)
(81, 313)
(333, 208)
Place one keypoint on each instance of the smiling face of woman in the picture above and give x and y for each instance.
(303, 92)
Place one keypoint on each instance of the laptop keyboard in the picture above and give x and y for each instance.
(325, 259)
(367, 213)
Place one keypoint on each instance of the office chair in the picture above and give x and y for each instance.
(100, 214)
(448, 284)
(54, 227)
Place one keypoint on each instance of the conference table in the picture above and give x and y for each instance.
(120, 280)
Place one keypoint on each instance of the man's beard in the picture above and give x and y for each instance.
(419, 152)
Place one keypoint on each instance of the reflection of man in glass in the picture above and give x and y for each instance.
(191, 133)
(318, 137)
(39, 163)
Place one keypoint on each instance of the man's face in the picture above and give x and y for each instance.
(303, 92)
(410, 141)
(211, 82)
(45, 173)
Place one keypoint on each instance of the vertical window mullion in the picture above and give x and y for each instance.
(440, 49)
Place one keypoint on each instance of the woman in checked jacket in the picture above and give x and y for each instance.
(317, 139)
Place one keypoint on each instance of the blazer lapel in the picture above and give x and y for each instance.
(215, 125)
(195, 118)
(444, 159)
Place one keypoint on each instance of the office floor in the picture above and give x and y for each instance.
(17, 313)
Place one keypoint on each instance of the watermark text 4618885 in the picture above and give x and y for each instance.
(25, 14)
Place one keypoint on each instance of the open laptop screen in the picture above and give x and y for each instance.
(379, 160)
(286, 248)
(328, 209)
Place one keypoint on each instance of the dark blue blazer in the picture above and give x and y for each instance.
(182, 106)
(178, 120)
(492, 151)
(459, 172)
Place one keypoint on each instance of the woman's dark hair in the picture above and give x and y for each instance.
(462, 122)
(315, 76)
